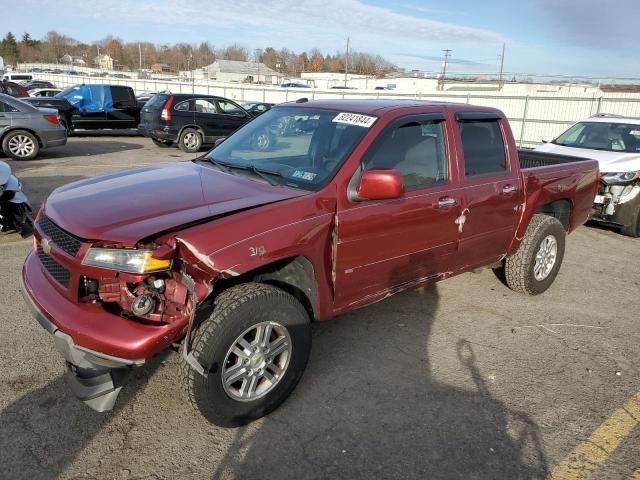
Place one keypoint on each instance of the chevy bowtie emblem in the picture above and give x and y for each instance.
(46, 246)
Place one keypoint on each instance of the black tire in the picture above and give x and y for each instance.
(235, 311)
(632, 224)
(190, 140)
(11, 145)
(519, 267)
(161, 143)
(263, 141)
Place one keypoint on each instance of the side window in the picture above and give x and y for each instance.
(183, 106)
(121, 96)
(416, 149)
(483, 147)
(229, 108)
(6, 108)
(203, 105)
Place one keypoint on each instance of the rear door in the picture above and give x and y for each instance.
(6, 113)
(384, 245)
(232, 116)
(125, 112)
(491, 189)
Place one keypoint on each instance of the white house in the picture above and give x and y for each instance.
(103, 62)
(243, 72)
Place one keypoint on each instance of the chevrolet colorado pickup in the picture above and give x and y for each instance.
(231, 256)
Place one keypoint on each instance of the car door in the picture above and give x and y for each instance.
(232, 116)
(6, 113)
(125, 113)
(492, 190)
(208, 119)
(384, 245)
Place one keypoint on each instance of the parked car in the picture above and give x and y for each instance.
(615, 142)
(17, 77)
(44, 92)
(257, 108)
(237, 251)
(14, 89)
(294, 85)
(190, 120)
(25, 129)
(33, 84)
(94, 107)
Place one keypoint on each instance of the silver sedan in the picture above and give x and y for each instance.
(25, 129)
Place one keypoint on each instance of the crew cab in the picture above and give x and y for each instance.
(614, 141)
(235, 253)
(94, 107)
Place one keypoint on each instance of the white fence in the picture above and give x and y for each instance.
(532, 117)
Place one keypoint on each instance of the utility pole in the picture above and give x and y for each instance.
(346, 64)
(445, 64)
(140, 55)
(502, 66)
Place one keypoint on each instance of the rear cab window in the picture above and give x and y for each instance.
(483, 145)
(122, 96)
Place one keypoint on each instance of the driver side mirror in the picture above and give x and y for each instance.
(547, 139)
(380, 185)
(219, 141)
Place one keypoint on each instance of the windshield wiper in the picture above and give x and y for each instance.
(222, 166)
(259, 172)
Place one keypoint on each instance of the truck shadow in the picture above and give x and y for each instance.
(372, 406)
(44, 431)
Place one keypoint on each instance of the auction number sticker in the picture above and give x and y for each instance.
(355, 119)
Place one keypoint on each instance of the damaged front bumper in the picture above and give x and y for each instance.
(94, 378)
(612, 202)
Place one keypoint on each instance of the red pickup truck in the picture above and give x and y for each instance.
(234, 254)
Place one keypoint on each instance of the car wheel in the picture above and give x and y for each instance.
(253, 347)
(632, 223)
(20, 145)
(190, 140)
(161, 143)
(534, 267)
(263, 141)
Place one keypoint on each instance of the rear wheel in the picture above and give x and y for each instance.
(534, 267)
(254, 347)
(190, 140)
(161, 143)
(20, 145)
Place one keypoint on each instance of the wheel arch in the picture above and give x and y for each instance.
(561, 209)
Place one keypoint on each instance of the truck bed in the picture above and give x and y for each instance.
(533, 159)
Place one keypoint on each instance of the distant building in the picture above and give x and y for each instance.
(243, 72)
(160, 67)
(69, 60)
(103, 62)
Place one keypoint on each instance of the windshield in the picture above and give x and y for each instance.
(297, 147)
(613, 137)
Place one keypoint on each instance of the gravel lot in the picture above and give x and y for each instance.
(465, 379)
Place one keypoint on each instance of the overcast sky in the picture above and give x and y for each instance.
(573, 37)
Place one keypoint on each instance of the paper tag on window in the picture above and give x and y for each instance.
(635, 133)
(355, 119)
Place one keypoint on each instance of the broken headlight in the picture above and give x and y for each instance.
(619, 177)
(124, 260)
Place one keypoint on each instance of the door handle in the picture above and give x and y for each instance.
(446, 202)
(509, 189)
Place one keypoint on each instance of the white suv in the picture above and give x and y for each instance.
(615, 142)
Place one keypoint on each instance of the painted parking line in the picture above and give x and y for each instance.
(585, 459)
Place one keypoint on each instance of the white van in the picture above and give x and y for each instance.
(17, 77)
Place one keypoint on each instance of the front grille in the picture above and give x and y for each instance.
(57, 271)
(65, 241)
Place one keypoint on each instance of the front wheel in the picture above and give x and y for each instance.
(534, 267)
(190, 140)
(254, 347)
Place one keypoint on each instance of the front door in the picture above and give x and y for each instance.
(232, 116)
(387, 245)
(492, 191)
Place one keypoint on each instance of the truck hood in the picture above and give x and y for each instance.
(126, 207)
(608, 161)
